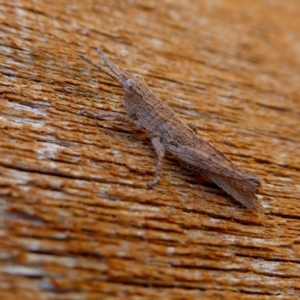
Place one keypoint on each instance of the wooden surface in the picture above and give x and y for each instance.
(76, 218)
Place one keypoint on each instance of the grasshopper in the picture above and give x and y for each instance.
(168, 132)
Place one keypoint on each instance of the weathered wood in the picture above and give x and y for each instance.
(77, 219)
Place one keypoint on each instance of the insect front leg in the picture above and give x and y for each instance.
(160, 151)
(107, 115)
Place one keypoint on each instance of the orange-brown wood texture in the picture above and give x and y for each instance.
(77, 220)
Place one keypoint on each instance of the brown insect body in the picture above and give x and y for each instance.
(168, 132)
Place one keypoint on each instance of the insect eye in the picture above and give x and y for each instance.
(129, 82)
(138, 77)
(255, 181)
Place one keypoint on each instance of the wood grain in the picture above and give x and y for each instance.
(77, 220)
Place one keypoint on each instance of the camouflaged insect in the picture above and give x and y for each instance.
(167, 132)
